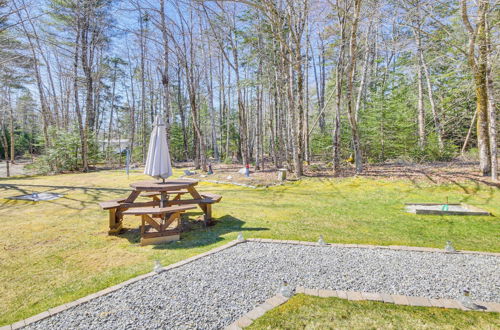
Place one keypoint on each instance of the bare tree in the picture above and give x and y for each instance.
(351, 69)
(478, 65)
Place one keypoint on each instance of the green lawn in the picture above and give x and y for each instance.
(55, 252)
(307, 312)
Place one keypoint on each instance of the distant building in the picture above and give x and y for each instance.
(117, 146)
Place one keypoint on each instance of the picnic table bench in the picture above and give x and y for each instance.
(154, 232)
(207, 199)
(161, 206)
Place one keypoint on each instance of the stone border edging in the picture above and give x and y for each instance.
(61, 308)
(367, 246)
(271, 303)
(257, 312)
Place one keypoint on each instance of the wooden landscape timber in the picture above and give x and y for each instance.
(466, 209)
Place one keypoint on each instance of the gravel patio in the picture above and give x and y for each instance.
(214, 291)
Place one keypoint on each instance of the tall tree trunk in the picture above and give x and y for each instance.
(132, 110)
(143, 87)
(350, 89)
(319, 79)
(437, 121)
(299, 130)
(5, 145)
(492, 108)
(242, 115)
(339, 74)
(479, 71)
(164, 72)
(275, 123)
(180, 103)
(293, 150)
(11, 130)
(420, 97)
(222, 105)
(492, 112)
(322, 70)
(87, 61)
(110, 127)
(212, 108)
(81, 128)
(228, 118)
(469, 132)
(259, 109)
(305, 134)
(364, 73)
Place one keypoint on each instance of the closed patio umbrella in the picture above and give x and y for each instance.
(158, 163)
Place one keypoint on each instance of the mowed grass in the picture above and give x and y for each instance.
(57, 251)
(307, 312)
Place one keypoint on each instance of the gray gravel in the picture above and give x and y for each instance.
(214, 291)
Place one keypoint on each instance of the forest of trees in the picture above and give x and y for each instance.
(273, 83)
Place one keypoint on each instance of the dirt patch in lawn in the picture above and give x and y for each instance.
(454, 172)
(230, 173)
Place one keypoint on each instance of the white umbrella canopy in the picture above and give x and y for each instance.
(158, 163)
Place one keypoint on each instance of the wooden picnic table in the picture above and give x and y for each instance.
(173, 185)
(177, 187)
(164, 188)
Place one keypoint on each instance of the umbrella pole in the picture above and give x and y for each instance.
(163, 202)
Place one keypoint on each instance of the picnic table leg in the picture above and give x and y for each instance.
(204, 208)
(208, 213)
(143, 225)
(164, 203)
(115, 223)
(133, 196)
(115, 214)
(112, 219)
(173, 217)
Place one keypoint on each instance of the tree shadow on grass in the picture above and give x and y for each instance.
(196, 234)
(93, 195)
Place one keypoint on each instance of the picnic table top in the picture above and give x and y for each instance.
(168, 185)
